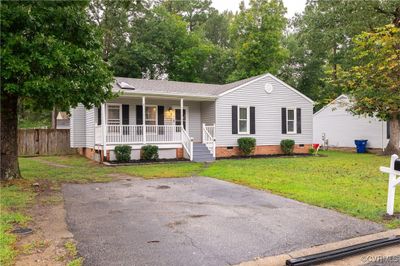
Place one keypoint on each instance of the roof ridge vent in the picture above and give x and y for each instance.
(124, 85)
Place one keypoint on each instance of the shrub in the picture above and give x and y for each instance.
(287, 146)
(311, 151)
(247, 145)
(149, 152)
(123, 153)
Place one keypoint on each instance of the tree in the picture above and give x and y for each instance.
(216, 28)
(194, 12)
(52, 55)
(256, 35)
(374, 82)
(324, 32)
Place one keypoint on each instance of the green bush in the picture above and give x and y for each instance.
(149, 152)
(247, 145)
(287, 146)
(123, 153)
(311, 150)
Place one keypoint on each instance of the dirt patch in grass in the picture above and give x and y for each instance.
(395, 216)
(50, 243)
(51, 163)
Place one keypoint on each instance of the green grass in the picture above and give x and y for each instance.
(13, 200)
(79, 169)
(180, 169)
(347, 182)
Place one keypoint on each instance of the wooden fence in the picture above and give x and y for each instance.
(33, 142)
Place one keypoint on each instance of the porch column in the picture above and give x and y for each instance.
(181, 118)
(144, 118)
(104, 130)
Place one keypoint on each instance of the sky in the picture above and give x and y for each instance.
(293, 6)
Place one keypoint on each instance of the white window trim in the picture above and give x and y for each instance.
(120, 111)
(151, 105)
(247, 132)
(294, 121)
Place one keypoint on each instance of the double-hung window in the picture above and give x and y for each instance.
(151, 115)
(291, 120)
(151, 118)
(113, 114)
(243, 120)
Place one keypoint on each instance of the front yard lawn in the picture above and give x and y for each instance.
(347, 182)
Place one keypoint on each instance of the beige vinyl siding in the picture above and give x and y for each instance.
(267, 113)
(194, 112)
(78, 127)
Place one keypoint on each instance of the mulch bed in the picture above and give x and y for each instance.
(139, 162)
(272, 156)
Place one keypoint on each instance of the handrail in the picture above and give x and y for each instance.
(187, 143)
(208, 139)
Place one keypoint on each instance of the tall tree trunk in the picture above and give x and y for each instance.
(394, 141)
(9, 137)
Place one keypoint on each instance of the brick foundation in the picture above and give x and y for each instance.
(87, 152)
(260, 150)
(179, 153)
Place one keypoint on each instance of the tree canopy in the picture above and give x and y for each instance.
(51, 56)
(374, 83)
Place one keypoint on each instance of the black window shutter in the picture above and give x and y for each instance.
(388, 129)
(125, 114)
(252, 120)
(139, 115)
(160, 111)
(298, 122)
(234, 119)
(160, 115)
(283, 114)
(125, 118)
(98, 115)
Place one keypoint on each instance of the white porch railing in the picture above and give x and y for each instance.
(131, 134)
(209, 138)
(154, 134)
(187, 143)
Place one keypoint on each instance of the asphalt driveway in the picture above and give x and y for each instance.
(195, 221)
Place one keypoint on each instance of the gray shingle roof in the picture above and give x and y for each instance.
(143, 86)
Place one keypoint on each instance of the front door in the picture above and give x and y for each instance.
(178, 119)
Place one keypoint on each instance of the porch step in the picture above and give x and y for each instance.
(201, 153)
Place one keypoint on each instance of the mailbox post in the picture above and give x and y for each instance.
(394, 180)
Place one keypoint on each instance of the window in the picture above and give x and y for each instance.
(113, 114)
(291, 120)
(243, 120)
(151, 115)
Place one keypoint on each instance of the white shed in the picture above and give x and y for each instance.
(341, 127)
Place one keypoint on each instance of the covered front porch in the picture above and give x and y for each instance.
(161, 121)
